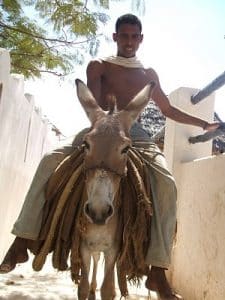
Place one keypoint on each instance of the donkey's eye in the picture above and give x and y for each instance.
(125, 150)
(86, 145)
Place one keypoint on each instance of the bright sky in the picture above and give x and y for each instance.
(184, 41)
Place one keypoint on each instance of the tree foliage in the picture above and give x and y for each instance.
(51, 35)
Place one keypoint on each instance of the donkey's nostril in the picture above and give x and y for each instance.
(110, 211)
(87, 209)
(90, 212)
(107, 213)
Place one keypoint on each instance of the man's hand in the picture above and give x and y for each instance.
(213, 130)
(212, 126)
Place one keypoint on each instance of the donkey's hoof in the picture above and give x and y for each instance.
(91, 296)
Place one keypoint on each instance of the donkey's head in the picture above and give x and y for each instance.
(106, 147)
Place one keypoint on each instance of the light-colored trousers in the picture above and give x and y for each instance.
(163, 188)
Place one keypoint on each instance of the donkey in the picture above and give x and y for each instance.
(105, 159)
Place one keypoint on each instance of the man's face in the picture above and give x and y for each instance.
(128, 39)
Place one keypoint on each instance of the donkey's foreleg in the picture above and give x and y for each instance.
(96, 257)
(108, 286)
(83, 287)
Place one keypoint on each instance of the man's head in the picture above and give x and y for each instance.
(128, 35)
(128, 19)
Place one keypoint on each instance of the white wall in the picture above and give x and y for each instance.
(197, 270)
(199, 256)
(24, 137)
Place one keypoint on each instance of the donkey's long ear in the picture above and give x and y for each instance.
(130, 113)
(87, 100)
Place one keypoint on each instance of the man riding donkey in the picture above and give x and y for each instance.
(123, 76)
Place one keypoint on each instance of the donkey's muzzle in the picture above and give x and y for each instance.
(98, 216)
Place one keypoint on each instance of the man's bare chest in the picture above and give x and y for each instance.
(127, 76)
(124, 83)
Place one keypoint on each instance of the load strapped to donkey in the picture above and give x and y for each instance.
(99, 200)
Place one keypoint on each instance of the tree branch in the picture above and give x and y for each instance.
(40, 54)
(53, 40)
(40, 71)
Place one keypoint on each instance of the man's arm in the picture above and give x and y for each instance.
(172, 112)
(94, 72)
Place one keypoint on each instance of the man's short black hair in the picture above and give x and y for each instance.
(128, 19)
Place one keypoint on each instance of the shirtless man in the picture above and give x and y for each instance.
(123, 76)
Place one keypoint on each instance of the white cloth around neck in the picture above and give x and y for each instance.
(130, 62)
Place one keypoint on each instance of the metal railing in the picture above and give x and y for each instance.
(209, 89)
(202, 94)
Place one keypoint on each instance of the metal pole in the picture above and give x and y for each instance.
(209, 89)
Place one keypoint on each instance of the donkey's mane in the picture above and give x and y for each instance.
(109, 125)
(112, 104)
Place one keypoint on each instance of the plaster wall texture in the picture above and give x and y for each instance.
(198, 259)
(24, 138)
